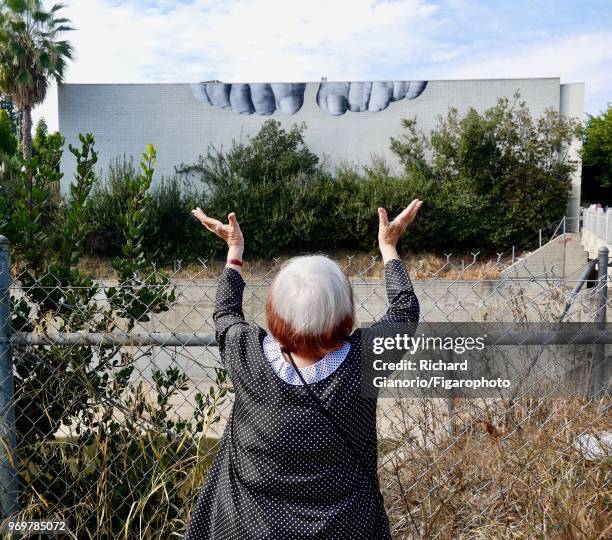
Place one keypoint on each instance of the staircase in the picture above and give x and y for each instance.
(563, 257)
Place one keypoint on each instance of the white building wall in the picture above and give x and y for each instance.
(572, 106)
(124, 118)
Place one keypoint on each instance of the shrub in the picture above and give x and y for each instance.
(129, 460)
(9, 182)
(8, 141)
(31, 191)
(429, 232)
(502, 173)
(597, 158)
(488, 180)
(273, 155)
(267, 182)
(170, 233)
(108, 203)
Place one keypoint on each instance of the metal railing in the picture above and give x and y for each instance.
(598, 222)
(110, 420)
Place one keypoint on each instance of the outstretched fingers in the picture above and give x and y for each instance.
(406, 217)
(383, 219)
(213, 225)
(231, 218)
(406, 212)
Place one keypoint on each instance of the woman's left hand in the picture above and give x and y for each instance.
(231, 232)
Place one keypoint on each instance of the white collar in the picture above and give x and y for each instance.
(312, 374)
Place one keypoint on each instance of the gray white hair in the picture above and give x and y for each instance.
(312, 295)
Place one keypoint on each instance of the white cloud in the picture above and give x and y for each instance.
(251, 39)
(576, 58)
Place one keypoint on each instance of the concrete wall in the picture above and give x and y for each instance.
(572, 106)
(124, 118)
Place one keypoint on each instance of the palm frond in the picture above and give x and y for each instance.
(64, 28)
(30, 53)
(41, 17)
(57, 7)
(17, 6)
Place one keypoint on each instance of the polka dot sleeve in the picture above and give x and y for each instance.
(403, 303)
(402, 314)
(228, 315)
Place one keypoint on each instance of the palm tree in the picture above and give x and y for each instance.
(31, 55)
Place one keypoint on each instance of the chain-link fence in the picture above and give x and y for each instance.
(112, 402)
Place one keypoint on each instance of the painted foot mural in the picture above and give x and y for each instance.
(258, 98)
(334, 98)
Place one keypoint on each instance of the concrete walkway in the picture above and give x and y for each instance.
(562, 258)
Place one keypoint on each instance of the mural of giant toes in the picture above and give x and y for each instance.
(259, 98)
(334, 98)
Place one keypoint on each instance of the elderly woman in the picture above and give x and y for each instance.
(298, 457)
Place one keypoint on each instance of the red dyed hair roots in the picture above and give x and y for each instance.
(301, 343)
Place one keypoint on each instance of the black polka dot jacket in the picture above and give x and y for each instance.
(283, 472)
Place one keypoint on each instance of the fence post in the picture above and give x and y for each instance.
(602, 303)
(564, 249)
(8, 474)
(450, 400)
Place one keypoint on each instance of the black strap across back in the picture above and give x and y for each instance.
(337, 428)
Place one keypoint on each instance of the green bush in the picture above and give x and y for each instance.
(170, 233)
(43, 139)
(273, 155)
(109, 199)
(129, 460)
(488, 180)
(9, 185)
(274, 182)
(501, 173)
(8, 141)
(597, 159)
(29, 185)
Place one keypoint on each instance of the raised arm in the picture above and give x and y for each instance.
(402, 315)
(403, 303)
(228, 304)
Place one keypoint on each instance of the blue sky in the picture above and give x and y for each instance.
(124, 41)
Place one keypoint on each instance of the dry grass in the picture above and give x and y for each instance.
(421, 266)
(504, 477)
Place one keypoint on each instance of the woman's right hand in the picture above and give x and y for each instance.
(390, 232)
